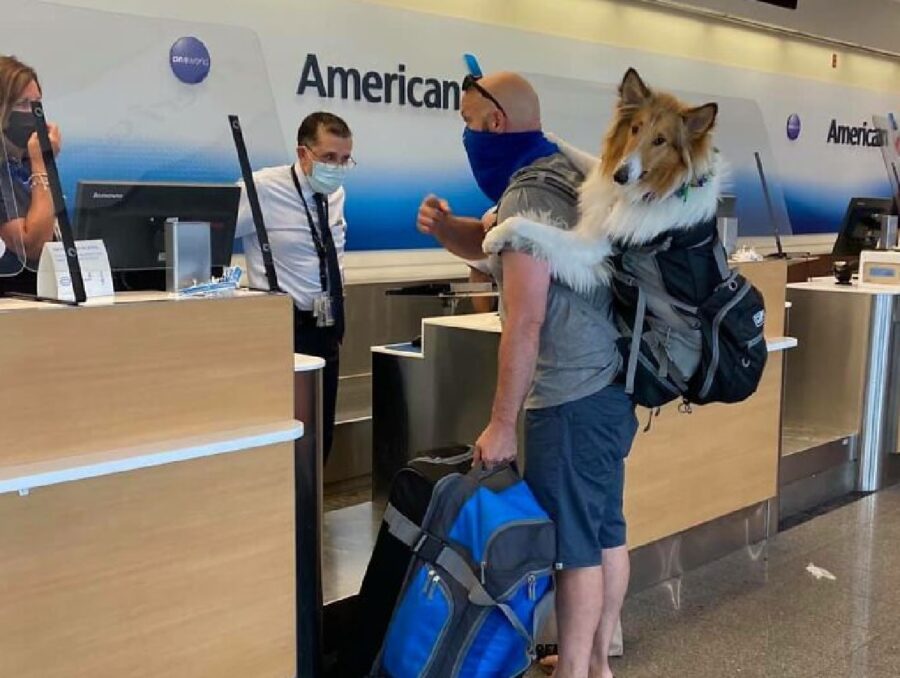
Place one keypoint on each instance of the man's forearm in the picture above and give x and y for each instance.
(463, 237)
(517, 358)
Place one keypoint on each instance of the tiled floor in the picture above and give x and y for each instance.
(757, 613)
(769, 617)
(347, 493)
(348, 540)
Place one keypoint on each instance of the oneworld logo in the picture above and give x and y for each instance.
(378, 87)
(862, 135)
(189, 60)
(793, 127)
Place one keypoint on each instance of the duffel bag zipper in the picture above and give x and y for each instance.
(509, 526)
(532, 579)
(435, 582)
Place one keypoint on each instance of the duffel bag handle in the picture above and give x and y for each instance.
(497, 477)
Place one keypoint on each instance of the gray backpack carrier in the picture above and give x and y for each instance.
(691, 327)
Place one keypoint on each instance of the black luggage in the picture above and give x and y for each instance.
(410, 494)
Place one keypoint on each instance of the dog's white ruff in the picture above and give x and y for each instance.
(577, 257)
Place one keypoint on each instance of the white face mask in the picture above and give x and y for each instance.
(326, 178)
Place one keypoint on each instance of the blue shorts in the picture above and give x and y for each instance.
(575, 465)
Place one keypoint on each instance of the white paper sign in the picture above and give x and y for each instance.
(54, 281)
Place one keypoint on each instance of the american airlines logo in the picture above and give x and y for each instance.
(851, 135)
(398, 88)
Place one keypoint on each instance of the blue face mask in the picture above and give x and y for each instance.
(494, 158)
(326, 178)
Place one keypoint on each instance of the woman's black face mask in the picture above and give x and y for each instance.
(19, 128)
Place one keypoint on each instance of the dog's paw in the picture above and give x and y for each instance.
(602, 266)
(603, 273)
(516, 233)
(523, 228)
(495, 240)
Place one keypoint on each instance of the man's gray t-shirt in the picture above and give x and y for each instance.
(577, 355)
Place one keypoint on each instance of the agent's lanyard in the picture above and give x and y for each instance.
(316, 237)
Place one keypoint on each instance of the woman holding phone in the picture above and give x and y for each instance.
(27, 215)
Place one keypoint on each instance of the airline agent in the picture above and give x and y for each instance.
(296, 201)
(27, 217)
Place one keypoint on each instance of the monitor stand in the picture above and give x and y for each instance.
(139, 281)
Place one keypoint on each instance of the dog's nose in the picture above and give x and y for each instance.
(621, 175)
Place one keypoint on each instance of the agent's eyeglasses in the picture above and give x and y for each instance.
(332, 159)
(471, 82)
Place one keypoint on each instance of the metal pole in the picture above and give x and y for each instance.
(876, 438)
(308, 520)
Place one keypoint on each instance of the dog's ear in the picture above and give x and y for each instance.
(700, 120)
(633, 91)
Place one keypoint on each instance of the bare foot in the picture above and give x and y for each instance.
(548, 664)
(601, 670)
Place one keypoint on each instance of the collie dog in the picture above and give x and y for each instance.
(658, 172)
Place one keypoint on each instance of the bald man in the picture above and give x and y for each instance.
(558, 358)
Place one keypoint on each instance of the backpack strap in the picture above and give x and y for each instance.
(636, 334)
(457, 567)
(721, 260)
(402, 527)
(653, 290)
(446, 557)
(543, 178)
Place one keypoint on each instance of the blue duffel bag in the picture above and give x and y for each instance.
(480, 583)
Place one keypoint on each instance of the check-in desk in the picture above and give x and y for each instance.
(698, 485)
(147, 488)
(842, 390)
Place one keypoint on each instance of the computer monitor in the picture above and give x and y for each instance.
(130, 218)
(861, 229)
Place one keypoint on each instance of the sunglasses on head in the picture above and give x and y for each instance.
(471, 82)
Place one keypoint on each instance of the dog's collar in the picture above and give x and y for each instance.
(698, 182)
(683, 191)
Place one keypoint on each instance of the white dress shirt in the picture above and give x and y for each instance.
(293, 250)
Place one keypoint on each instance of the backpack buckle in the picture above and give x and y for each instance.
(428, 548)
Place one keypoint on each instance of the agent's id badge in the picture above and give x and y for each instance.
(323, 310)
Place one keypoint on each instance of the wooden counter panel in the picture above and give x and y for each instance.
(690, 469)
(87, 379)
(183, 571)
(770, 278)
